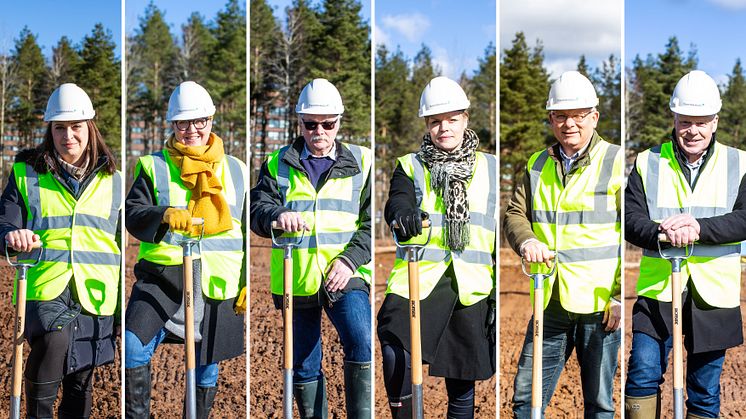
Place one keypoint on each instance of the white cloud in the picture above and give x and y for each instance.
(382, 38)
(442, 60)
(410, 26)
(558, 66)
(730, 4)
(567, 28)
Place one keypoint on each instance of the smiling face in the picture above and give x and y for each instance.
(319, 139)
(71, 140)
(573, 128)
(192, 136)
(694, 134)
(447, 129)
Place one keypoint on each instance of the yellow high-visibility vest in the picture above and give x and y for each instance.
(78, 238)
(714, 269)
(474, 266)
(221, 254)
(332, 214)
(581, 223)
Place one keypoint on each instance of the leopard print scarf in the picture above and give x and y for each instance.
(449, 174)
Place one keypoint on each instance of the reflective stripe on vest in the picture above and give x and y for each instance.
(474, 266)
(78, 236)
(332, 213)
(580, 221)
(221, 254)
(714, 269)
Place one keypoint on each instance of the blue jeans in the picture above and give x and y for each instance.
(597, 352)
(647, 365)
(350, 316)
(136, 354)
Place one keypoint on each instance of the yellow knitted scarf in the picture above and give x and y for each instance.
(198, 165)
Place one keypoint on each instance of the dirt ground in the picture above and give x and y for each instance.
(106, 384)
(567, 401)
(266, 353)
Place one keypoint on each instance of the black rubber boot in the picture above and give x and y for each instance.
(311, 399)
(137, 392)
(40, 399)
(205, 397)
(357, 390)
(401, 408)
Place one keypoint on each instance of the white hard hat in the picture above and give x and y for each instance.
(319, 97)
(571, 90)
(696, 94)
(189, 101)
(69, 103)
(442, 95)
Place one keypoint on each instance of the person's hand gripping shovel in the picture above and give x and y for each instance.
(22, 266)
(413, 268)
(676, 256)
(538, 338)
(287, 244)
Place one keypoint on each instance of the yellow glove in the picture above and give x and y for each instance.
(240, 305)
(178, 219)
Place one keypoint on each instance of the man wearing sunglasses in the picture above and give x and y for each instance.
(567, 212)
(321, 186)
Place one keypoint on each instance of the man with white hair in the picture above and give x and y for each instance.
(321, 185)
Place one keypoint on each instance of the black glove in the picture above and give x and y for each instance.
(408, 223)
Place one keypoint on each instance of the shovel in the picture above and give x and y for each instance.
(20, 324)
(413, 268)
(678, 355)
(538, 341)
(191, 379)
(287, 317)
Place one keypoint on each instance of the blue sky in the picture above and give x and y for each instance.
(50, 20)
(567, 29)
(457, 32)
(716, 27)
(176, 12)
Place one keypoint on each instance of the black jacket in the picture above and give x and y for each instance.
(705, 328)
(157, 294)
(266, 202)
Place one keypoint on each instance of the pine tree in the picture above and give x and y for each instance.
(342, 55)
(264, 34)
(732, 123)
(197, 43)
(524, 85)
(30, 91)
(64, 65)
(482, 91)
(155, 75)
(99, 75)
(583, 66)
(226, 79)
(607, 80)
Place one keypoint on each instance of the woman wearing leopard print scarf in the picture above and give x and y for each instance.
(454, 185)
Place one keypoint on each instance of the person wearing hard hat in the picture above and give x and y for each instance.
(455, 186)
(691, 188)
(321, 186)
(566, 212)
(65, 196)
(190, 177)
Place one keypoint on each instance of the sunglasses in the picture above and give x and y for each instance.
(312, 125)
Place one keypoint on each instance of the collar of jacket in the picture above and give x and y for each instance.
(584, 159)
(681, 157)
(344, 166)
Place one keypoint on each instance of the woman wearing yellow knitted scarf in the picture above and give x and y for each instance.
(191, 178)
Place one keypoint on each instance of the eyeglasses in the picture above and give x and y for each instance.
(312, 125)
(562, 118)
(199, 123)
